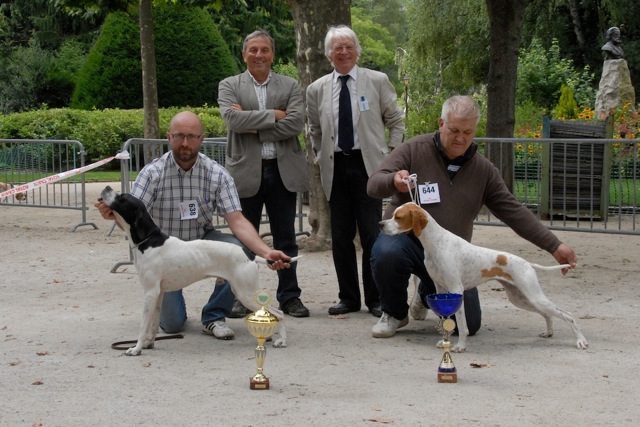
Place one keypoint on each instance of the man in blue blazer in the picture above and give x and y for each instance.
(264, 115)
(349, 142)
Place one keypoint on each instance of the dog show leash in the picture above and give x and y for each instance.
(120, 345)
(412, 179)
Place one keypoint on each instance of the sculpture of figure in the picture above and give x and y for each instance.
(612, 49)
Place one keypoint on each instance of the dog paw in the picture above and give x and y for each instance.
(279, 343)
(458, 348)
(582, 344)
(545, 334)
(133, 351)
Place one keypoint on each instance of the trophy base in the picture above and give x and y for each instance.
(262, 384)
(448, 377)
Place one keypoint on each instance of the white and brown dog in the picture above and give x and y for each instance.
(4, 186)
(455, 265)
(166, 263)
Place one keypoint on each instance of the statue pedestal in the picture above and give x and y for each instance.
(615, 89)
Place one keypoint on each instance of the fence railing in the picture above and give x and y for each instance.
(570, 184)
(27, 160)
(573, 184)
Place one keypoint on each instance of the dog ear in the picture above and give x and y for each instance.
(419, 221)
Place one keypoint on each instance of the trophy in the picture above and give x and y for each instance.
(262, 325)
(445, 305)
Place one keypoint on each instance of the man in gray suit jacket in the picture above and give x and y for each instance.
(347, 130)
(264, 115)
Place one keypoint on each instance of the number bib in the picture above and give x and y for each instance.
(429, 193)
(188, 210)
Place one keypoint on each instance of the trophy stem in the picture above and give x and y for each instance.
(259, 381)
(447, 372)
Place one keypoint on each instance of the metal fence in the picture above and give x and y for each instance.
(26, 160)
(570, 184)
(573, 184)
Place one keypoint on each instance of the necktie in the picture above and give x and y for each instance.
(345, 119)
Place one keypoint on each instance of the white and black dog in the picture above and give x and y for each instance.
(166, 264)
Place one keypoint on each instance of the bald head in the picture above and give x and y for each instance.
(186, 119)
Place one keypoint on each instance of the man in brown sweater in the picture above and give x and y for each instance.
(458, 183)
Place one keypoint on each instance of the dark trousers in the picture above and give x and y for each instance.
(351, 207)
(281, 209)
(394, 259)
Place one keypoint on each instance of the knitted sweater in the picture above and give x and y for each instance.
(477, 183)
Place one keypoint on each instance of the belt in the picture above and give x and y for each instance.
(269, 161)
(351, 153)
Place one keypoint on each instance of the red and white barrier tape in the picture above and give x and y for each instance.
(123, 155)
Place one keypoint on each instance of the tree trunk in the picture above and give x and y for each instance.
(505, 23)
(577, 23)
(311, 21)
(149, 80)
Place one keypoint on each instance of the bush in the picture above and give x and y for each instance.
(191, 59)
(111, 76)
(567, 108)
(101, 132)
(541, 75)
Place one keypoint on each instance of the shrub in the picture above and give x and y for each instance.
(542, 73)
(101, 132)
(567, 108)
(191, 58)
(111, 76)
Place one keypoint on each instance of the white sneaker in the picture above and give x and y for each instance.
(219, 329)
(417, 309)
(387, 326)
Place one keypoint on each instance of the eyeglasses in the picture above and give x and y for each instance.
(179, 137)
(340, 48)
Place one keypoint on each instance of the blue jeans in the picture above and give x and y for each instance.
(281, 208)
(393, 260)
(173, 313)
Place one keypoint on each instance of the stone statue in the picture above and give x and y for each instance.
(612, 49)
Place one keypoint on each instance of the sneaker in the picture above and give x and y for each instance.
(218, 329)
(387, 326)
(238, 311)
(417, 308)
(295, 308)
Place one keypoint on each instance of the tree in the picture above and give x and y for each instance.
(311, 20)
(147, 48)
(505, 22)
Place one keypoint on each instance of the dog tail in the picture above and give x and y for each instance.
(261, 260)
(549, 267)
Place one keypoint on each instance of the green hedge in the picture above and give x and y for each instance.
(101, 132)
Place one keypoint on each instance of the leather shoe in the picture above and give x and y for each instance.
(376, 310)
(341, 308)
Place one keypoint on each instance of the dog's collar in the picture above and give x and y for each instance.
(144, 241)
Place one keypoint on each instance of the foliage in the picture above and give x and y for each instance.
(241, 17)
(111, 76)
(33, 76)
(378, 46)
(546, 20)
(541, 74)
(191, 56)
(567, 108)
(102, 132)
(191, 59)
(289, 69)
(448, 46)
